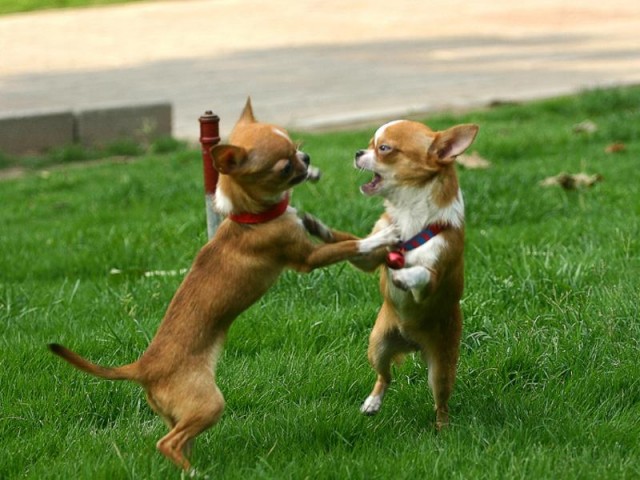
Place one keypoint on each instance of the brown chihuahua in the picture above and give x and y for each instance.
(260, 237)
(414, 171)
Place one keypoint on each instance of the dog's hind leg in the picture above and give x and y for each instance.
(441, 356)
(386, 344)
(201, 411)
(168, 420)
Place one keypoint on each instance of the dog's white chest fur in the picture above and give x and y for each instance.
(411, 214)
(412, 209)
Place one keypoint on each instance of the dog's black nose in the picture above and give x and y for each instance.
(305, 158)
(359, 153)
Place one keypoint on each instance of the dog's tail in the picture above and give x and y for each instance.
(126, 372)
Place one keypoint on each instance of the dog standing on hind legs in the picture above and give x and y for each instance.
(260, 237)
(422, 281)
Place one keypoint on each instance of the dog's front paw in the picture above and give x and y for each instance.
(371, 405)
(387, 237)
(400, 280)
(410, 278)
(390, 236)
(316, 228)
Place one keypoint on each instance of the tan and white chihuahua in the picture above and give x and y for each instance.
(260, 237)
(422, 281)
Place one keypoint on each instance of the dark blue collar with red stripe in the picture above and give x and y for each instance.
(395, 258)
(422, 237)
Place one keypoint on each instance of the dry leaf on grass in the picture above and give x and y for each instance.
(571, 181)
(585, 127)
(615, 148)
(473, 161)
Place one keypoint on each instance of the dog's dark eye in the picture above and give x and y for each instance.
(384, 148)
(286, 170)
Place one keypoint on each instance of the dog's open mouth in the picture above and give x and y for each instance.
(298, 179)
(373, 186)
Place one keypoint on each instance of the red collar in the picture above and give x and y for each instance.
(263, 217)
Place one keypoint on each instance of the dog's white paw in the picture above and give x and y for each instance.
(387, 237)
(410, 278)
(371, 405)
(400, 280)
(390, 236)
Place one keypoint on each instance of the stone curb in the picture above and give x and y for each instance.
(33, 132)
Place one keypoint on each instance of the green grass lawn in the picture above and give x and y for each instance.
(14, 6)
(549, 379)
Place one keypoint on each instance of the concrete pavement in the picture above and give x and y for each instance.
(314, 63)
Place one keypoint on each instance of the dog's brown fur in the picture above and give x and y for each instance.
(231, 272)
(415, 173)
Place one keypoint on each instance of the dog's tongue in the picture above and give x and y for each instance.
(371, 187)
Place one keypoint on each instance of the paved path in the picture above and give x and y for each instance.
(314, 63)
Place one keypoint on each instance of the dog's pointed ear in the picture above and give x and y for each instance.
(452, 142)
(247, 113)
(227, 158)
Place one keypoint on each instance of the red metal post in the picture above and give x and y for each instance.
(209, 136)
